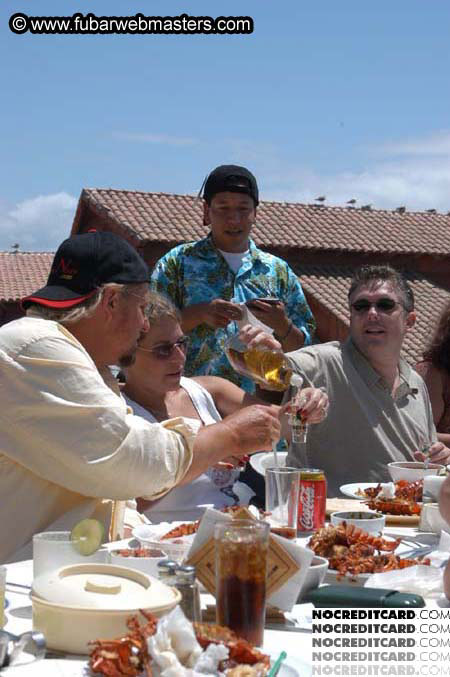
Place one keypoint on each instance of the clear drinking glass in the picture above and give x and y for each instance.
(241, 569)
(282, 489)
(54, 549)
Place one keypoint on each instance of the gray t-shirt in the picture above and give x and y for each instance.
(366, 426)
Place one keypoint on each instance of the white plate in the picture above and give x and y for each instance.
(351, 489)
(287, 667)
(263, 460)
(50, 667)
(61, 667)
(147, 533)
(359, 580)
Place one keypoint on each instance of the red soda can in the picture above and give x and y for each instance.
(312, 499)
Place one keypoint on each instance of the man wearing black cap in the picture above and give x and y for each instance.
(208, 279)
(68, 439)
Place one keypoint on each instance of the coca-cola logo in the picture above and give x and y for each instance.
(307, 503)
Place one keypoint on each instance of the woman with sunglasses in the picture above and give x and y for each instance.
(156, 390)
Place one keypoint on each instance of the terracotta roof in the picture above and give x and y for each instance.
(22, 273)
(329, 286)
(165, 217)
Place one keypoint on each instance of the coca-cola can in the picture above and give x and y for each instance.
(312, 499)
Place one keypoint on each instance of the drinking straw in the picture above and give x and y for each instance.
(277, 665)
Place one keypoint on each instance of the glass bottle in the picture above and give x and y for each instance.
(265, 367)
(185, 582)
(268, 368)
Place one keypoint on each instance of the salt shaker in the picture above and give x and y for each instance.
(188, 586)
(167, 571)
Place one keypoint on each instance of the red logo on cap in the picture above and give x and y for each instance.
(66, 270)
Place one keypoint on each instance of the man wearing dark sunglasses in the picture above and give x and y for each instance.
(379, 406)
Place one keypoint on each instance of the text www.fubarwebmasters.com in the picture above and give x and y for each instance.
(136, 24)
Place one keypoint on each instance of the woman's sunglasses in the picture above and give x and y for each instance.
(382, 305)
(165, 350)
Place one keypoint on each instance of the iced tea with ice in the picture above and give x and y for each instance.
(241, 567)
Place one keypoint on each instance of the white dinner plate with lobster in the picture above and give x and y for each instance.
(332, 577)
(356, 490)
(67, 667)
(265, 459)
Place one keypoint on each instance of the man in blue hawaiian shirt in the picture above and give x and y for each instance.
(208, 279)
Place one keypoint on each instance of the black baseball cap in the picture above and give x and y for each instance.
(83, 263)
(233, 179)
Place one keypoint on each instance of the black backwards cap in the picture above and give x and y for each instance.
(230, 178)
(85, 262)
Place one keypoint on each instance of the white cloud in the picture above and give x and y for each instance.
(165, 139)
(37, 224)
(420, 179)
(434, 145)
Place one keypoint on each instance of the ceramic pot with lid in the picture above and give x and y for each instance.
(76, 604)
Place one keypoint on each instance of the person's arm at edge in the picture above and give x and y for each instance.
(248, 430)
(434, 382)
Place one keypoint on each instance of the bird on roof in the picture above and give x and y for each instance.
(401, 210)
(431, 211)
(366, 208)
(351, 202)
(15, 247)
(321, 198)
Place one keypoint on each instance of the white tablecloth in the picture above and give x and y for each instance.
(19, 619)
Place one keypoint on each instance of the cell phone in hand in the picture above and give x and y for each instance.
(265, 299)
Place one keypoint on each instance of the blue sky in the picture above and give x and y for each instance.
(344, 99)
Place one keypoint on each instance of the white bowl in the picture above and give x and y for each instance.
(147, 564)
(315, 575)
(265, 459)
(411, 471)
(372, 522)
(149, 535)
(432, 485)
(432, 520)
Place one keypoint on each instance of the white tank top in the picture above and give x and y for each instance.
(189, 501)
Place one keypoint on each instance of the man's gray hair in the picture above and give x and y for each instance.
(82, 310)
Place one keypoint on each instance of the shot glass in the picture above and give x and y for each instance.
(2, 595)
(241, 570)
(282, 491)
(54, 549)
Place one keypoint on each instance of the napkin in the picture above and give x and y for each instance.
(249, 318)
(421, 579)
(286, 596)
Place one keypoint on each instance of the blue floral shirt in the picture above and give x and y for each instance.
(196, 272)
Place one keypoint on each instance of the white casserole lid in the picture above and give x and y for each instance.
(104, 587)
